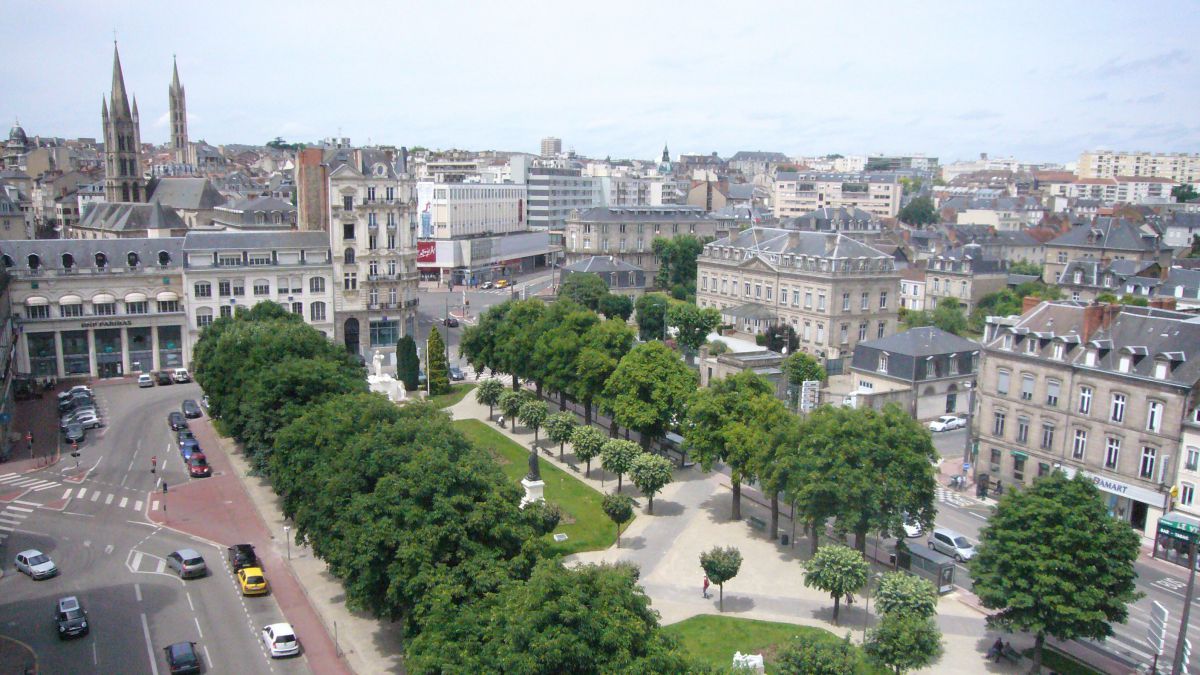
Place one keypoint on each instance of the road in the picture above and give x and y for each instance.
(110, 555)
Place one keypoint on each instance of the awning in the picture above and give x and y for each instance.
(103, 299)
(70, 300)
(167, 296)
(1018, 453)
(36, 301)
(135, 297)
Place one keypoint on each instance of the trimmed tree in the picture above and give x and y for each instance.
(510, 405)
(619, 509)
(488, 393)
(650, 473)
(617, 455)
(439, 368)
(800, 368)
(533, 415)
(692, 324)
(906, 594)
(648, 389)
(559, 428)
(587, 441)
(720, 565)
(1053, 562)
(903, 643)
(408, 364)
(819, 657)
(838, 570)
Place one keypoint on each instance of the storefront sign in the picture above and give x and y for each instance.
(1116, 487)
(426, 251)
(110, 323)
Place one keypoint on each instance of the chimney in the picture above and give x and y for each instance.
(1163, 303)
(1029, 302)
(1097, 316)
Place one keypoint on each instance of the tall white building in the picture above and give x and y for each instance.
(796, 193)
(551, 146)
(1178, 166)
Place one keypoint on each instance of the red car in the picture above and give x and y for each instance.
(198, 466)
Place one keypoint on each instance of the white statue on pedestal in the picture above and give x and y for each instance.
(384, 383)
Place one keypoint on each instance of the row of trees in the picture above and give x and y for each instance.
(418, 524)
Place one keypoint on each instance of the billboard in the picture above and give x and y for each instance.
(426, 251)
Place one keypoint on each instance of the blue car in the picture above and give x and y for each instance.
(187, 447)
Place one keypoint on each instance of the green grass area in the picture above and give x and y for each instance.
(583, 521)
(1059, 662)
(457, 393)
(713, 639)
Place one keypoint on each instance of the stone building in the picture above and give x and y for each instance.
(627, 234)
(935, 368)
(965, 274)
(1104, 239)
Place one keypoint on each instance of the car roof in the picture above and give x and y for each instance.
(68, 603)
(947, 531)
(278, 628)
(30, 552)
(251, 570)
(181, 648)
(188, 553)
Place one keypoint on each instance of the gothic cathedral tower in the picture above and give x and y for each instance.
(122, 143)
(179, 135)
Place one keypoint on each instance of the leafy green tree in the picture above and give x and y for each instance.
(717, 348)
(678, 261)
(617, 455)
(588, 442)
(906, 594)
(478, 343)
(819, 657)
(781, 337)
(562, 331)
(778, 459)
(516, 339)
(439, 368)
(649, 387)
(650, 473)
(619, 509)
(533, 415)
(601, 350)
(692, 323)
(1108, 298)
(614, 306)
(721, 564)
(799, 368)
(488, 393)
(559, 429)
(1078, 586)
(949, 316)
(1184, 193)
(651, 313)
(1025, 267)
(1129, 299)
(542, 516)
(510, 405)
(408, 364)
(584, 288)
(838, 570)
(902, 643)
(920, 211)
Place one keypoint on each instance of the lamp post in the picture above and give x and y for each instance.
(1181, 639)
(286, 530)
(970, 387)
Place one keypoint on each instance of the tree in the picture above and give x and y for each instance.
(949, 316)
(408, 364)
(906, 594)
(650, 473)
(478, 343)
(617, 455)
(584, 288)
(587, 441)
(1107, 298)
(1025, 267)
(510, 405)
(1130, 299)
(838, 570)
(819, 657)
(692, 324)
(649, 387)
(619, 509)
(516, 339)
(651, 313)
(562, 329)
(614, 306)
(533, 414)
(1184, 193)
(678, 261)
(488, 393)
(920, 211)
(601, 350)
(1053, 562)
(439, 368)
(799, 368)
(542, 516)
(559, 428)
(903, 643)
(781, 337)
(721, 565)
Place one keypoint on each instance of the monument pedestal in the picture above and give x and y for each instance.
(533, 491)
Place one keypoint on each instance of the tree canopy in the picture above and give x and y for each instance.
(439, 368)
(692, 323)
(677, 256)
(920, 211)
(838, 570)
(651, 315)
(650, 473)
(587, 442)
(648, 389)
(902, 643)
(619, 509)
(584, 288)
(408, 364)
(721, 564)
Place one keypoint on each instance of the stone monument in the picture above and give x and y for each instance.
(383, 383)
(532, 482)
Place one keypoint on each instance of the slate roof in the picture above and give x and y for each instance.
(212, 241)
(252, 204)
(821, 177)
(740, 191)
(602, 263)
(644, 214)
(758, 156)
(793, 242)
(131, 217)
(824, 220)
(924, 341)
(1188, 281)
(116, 252)
(1108, 233)
(192, 194)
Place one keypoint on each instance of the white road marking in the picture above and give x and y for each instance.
(108, 499)
(81, 493)
(208, 658)
(20, 508)
(87, 543)
(137, 506)
(190, 605)
(149, 645)
(197, 620)
(6, 529)
(24, 482)
(67, 494)
(162, 565)
(45, 487)
(7, 475)
(95, 496)
(9, 521)
(19, 501)
(95, 656)
(108, 549)
(124, 501)
(137, 588)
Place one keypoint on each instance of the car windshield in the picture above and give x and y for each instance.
(253, 579)
(962, 542)
(72, 614)
(194, 561)
(198, 461)
(39, 559)
(183, 655)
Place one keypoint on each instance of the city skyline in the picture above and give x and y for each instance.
(1039, 83)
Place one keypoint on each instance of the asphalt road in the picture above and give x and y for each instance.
(112, 557)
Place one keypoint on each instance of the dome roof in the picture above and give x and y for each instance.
(17, 134)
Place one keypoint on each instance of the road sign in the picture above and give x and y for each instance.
(1156, 631)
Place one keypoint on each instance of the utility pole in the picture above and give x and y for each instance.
(970, 410)
(1181, 639)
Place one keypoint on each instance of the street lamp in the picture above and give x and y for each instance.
(286, 530)
(970, 387)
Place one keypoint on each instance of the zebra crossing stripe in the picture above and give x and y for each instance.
(25, 482)
(21, 501)
(95, 496)
(19, 508)
(108, 499)
(124, 501)
(4, 477)
(81, 493)
(9, 521)
(67, 494)
(45, 485)
(137, 506)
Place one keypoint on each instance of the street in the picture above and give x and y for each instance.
(93, 523)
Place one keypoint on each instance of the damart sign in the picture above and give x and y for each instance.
(1116, 487)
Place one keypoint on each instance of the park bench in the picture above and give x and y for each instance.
(573, 467)
(1011, 654)
(757, 523)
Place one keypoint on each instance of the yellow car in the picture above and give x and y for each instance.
(252, 581)
(502, 283)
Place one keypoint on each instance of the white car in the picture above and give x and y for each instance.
(77, 389)
(88, 419)
(181, 375)
(36, 564)
(912, 527)
(144, 380)
(280, 640)
(947, 423)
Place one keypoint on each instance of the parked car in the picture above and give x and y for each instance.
(242, 555)
(486, 285)
(74, 433)
(502, 283)
(144, 380)
(190, 409)
(198, 466)
(36, 564)
(163, 378)
(176, 420)
(70, 618)
(188, 563)
(74, 401)
(86, 418)
(184, 434)
(947, 423)
(70, 417)
(77, 389)
(188, 448)
(457, 374)
(450, 321)
(951, 543)
(252, 581)
(912, 527)
(182, 658)
(181, 375)
(280, 640)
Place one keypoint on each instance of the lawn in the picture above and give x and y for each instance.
(713, 639)
(457, 393)
(583, 521)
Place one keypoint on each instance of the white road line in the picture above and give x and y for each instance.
(20, 501)
(137, 506)
(95, 495)
(44, 484)
(45, 487)
(189, 597)
(81, 493)
(208, 657)
(24, 482)
(6, 529)
(154, 505)
(108, 499)
(149, 645)
(67, 494)
(8, 521)
(20, 508)
(137, 588)
(124, 501)
(7, 475)
(197, 620)
(162, 565)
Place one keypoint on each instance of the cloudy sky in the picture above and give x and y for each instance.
(1037, 80)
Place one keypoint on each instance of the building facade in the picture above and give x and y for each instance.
(1177, 166)
(796, 193)
(1104, 239)
(627, 234)
(965, 274)
(935, 368)
(555, 192)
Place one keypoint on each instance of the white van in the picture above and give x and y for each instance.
(181, 375)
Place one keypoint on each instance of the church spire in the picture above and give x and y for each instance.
(122, 142)
(178, 105)
(175, 86)
(120, 100)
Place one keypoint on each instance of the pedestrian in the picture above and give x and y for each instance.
(704, 591)
(153, 463)
(997, 650)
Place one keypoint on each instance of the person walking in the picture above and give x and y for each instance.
(153, 463)
(704, 590)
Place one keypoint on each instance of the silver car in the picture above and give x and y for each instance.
(951, 543)
(188, 563)
(36, 564)
(88, 418)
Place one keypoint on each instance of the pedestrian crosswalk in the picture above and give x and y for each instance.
(12, 515)
(18, 480)
(84, 494)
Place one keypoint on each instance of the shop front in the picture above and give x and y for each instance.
(102, 348)
(1138, 506)
(1175, 533)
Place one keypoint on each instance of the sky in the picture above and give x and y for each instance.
(1040, 81)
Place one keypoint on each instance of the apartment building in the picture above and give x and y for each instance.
(1087, 279)
(966, 274)
(554, 192)
(1104, 239)
(834, 291)
(852, 222)
(1102, 390)
(796, 194)
(1179, 167)
(628, 234)
(912, 288)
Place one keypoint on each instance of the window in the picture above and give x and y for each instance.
(845, 302)
(807, 299)
(258, 260)
(998, 424)
(226, 311)
(203, 289)
(1124, 364)
(316, 311)
(883, 362)
(1027, 387)
(347, 202)
(865, 302)
(747, 289)
(165, 306)
(1003, 379)
(239, 288)
(1079, 445)
(1187, 493)
(882, 329)
(844, 333)
(70, 311)
(261, 287)
(298, 308)
(1043, 469)
(1117, 412)
(224, 289)
(795, 297)
(1193, 459)
(1047, 436)
(350, 281)
(807, 331)
(372, 241)
(821, 332)
(1022, 429)
(1154, 416)
(1052, 390)
(758, 290)
(204, 320)
(882, 299)
(137, 307)
(995, 459)
(962, 289)
(704, 283)
(229, 260)
(820, 302)
(391, 241)
(104, 308)
(769, 291)
(1018, 467)
(1006, 343)
(1030, 345)
(1112, 452)
(348, 231)
(373, 268)
(1146, 466)
(348, 256)
(1160, 370)
(1085, 400)
(953, 365)
(38, 312)
(1089, 358)
(316, 285)
(862, 331)
(1058, 351)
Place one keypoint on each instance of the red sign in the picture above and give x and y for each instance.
(426, 251)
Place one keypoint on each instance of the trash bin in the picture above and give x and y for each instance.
(783, 540)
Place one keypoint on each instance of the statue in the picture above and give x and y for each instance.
(400, 388)
(377, 364)
(535, 474)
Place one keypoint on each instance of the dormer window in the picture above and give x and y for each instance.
(132, 259)
(1079, 276)
(101, 260)
(1089, 359)
(164, 258)
(1058, 351)
(1031, 345)
(1007, 342)
(68, 261)
(34, 261)
(883, 362)
(1125, 363)
(1161, 369)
